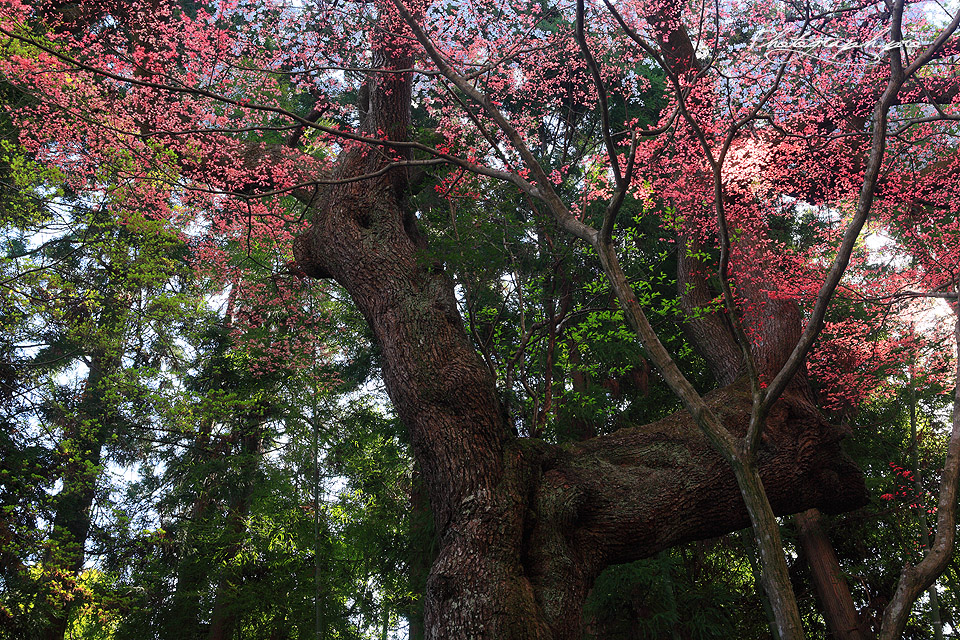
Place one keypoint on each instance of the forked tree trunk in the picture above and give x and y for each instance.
(524, 527)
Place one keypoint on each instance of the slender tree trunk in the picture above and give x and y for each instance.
(766, 531)
(750, 549)
(918, 490)
(832, 589)
(319, 603)
(85, 435)
(421, 553)
(193, 571)
(671, 593)
(279, 629)
(580, 428)
(183, 621)
(914, 579)
(225, 611)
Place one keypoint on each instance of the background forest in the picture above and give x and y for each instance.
(196, 439)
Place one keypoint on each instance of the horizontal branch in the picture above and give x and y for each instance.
(640, 490)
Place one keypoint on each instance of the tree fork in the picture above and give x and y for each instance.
(524, 527)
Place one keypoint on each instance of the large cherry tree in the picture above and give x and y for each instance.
(259, 120)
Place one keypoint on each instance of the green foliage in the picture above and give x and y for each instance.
(701, 590)
(874, 543)
(546, 321)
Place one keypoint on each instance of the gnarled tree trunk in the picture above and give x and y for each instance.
(525, 527)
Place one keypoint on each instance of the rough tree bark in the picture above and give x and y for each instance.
(525, 527)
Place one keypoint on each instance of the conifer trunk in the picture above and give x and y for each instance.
(85, 435)
(832, 589)
(225, 611)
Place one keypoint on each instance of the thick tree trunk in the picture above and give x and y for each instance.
(444, 394)
(771, 327)
(365, 238)
(524, 527)
(709, 332)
